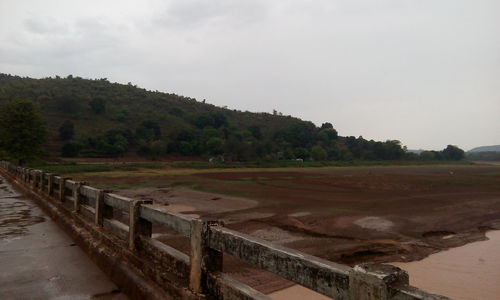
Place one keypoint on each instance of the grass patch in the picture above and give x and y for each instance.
(71, 168)
(74, 168)
(297, 164)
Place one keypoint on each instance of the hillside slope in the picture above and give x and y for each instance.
(494, 148)
(103, 119)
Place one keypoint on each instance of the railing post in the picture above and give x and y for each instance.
(373, 281)
(77, 196)
(31, 179)
(203, 258)
(50, 183)
(62, 188)
(36, 179)
(41, 182)
(99, 207)
(102, 211)
(137, 225)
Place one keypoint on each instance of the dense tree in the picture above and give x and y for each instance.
(318, 153)
(176, 111)
(327, 125)
(300, 134)
(67, 130)
(163, 122)
(429, 155)
(327, 135)
(255, 131)
(71, 149)
(186, 148)
(148, 131)
(452, 152)
(98, 105)
(22, 130)
(484, 155)
(68, 102)
(301, 153)
(215, 146)
(214, 119)
(158, 148)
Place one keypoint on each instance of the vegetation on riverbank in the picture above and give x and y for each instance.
(97, 118)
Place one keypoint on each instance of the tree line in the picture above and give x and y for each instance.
(73, 117)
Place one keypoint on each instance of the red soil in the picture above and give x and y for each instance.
(347, 215)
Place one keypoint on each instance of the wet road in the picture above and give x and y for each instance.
(40, 261)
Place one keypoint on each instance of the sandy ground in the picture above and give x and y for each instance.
(485, 162)
(190, 201)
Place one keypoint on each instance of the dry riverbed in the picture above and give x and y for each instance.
(347, 215)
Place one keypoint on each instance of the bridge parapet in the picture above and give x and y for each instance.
(117, 232)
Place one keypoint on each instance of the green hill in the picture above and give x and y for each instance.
(490, 153)
(97, 118)
(494, 148)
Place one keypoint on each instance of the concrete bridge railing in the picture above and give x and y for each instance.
(116, 232)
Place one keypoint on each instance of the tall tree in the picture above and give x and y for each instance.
(22, 130)
(67, 130)
(452, 152)
(98, 105)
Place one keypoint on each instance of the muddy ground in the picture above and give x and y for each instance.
(344, 214)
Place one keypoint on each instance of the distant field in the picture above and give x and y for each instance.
(487, 162)
(348, 214)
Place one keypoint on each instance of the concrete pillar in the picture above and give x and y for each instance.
(99, 206)
(102, 211)
(203, 258)
(50, 183)
(36, 179)
(77, 196)
(30, 178)
(40, 181)
(62, 189)
(373, 281)
(137, 225)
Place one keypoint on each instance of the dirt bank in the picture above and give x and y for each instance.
(348, 215)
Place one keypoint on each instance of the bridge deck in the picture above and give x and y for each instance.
(40, 261)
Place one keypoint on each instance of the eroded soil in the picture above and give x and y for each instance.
(347, 215)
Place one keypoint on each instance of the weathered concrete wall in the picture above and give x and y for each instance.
(146, 268)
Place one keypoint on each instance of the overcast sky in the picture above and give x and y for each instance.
(426, 72)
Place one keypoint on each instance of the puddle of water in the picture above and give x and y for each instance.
(468, 272)
(15, 216)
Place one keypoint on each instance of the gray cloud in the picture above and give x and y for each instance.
(424, 72)
(47, 26)
(191, 14)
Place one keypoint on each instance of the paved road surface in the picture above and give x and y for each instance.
(40, 261)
